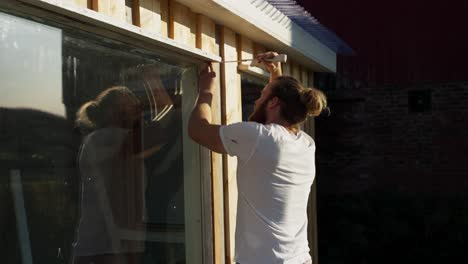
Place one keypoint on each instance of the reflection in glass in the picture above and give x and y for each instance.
(251, 87)
(91, 130)
(32, 50)
(110, 168)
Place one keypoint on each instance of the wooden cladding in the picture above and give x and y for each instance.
(112, 8)
(183, 22)
(150, 15)
(171, 19)
(231, 107)
(81, 3)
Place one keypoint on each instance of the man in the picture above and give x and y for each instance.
(276, 165)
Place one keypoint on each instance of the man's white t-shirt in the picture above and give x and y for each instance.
(275, 171)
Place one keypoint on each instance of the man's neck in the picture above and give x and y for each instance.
(292, 129)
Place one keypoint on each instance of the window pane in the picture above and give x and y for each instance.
(39, 60)
(91, 163)
(251, 88)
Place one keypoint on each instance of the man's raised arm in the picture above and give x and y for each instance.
(200, 127)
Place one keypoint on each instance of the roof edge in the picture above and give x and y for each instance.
(281, 34)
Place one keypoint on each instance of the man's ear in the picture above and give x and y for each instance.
(273, 102)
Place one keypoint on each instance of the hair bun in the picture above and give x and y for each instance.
(87, 115)
(314, 100)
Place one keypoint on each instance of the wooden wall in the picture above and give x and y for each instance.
(231, 113)
(170, 19)
(206, 40)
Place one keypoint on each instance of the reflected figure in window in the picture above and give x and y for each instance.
(111, 228)
(160, 91)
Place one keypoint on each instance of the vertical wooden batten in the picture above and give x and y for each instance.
(170, 18)
(132, 12)
(239, 48)
(305, 77)
(231, 112)
(147, 15)
(95, 5)
(184, 24)
(199, 32)
(206, 41)
(299, 75)
(111, 8)
(296, 71)
(245, 49)
(164, 25)
(286, 68)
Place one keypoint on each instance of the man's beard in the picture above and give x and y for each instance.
(259, 115)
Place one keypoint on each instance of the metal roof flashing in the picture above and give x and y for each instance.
(267, 25)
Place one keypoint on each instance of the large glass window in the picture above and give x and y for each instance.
(94, 157)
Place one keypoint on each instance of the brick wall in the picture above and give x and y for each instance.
(375, 139)
(391, 179)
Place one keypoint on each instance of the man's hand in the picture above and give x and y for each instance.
(274, 68)
(206, 79)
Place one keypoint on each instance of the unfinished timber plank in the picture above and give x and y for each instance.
(184, 24)
(305, 77)
(206, 35)
(286, 67)
(170, 18)
(245, 49)
(296, 71)
(231, 113)
(149, 15)
(310, 78)
(183, 21)
(132, 14)
(111, 8)
(81, 3)
(164, 23)
(206, 41)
